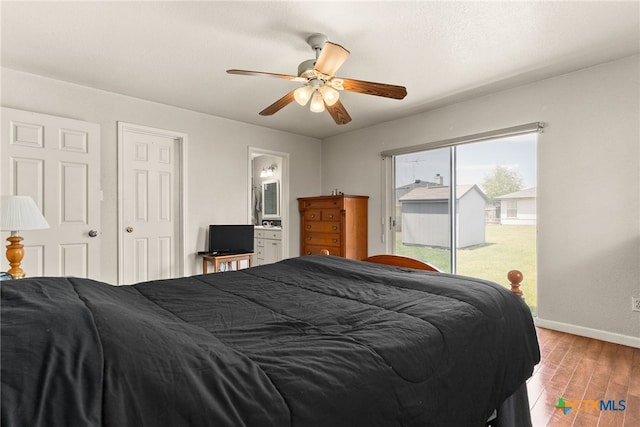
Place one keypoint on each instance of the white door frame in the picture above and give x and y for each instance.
(182, 185)
(284, 192)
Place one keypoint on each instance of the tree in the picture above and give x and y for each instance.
(502, 181)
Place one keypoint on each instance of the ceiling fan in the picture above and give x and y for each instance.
(320, 86)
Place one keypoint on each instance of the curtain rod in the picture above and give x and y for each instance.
(500, 133)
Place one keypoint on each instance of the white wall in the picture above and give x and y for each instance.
(588, 190)
(216, 158)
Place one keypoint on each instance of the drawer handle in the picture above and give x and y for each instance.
(308, 252)
(335, 227)
(313, 215)
(308, 237)
(308, 225)
(330, 216)
(334, 240)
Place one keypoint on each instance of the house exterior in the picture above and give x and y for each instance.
(518, 208)
(425, 212)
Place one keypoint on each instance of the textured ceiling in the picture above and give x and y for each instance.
(177, 52)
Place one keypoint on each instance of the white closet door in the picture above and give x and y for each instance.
(150, 203)
(56, 161)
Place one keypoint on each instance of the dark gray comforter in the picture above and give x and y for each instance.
(310, 341)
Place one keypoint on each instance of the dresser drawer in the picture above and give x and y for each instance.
(312, 215)
(317, 250)
(328, 239)
(330, 214)
(273, 234)
(322, 214)
(322, 227)
(325, 202)
(261, 233)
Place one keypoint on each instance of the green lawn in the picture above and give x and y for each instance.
(507, 247)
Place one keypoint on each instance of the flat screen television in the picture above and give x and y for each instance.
(230, 239)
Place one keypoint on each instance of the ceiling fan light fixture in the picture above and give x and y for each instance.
(321, 86)
(317, 103)
(329, 94)
(303, 94)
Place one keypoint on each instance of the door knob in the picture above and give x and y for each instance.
(93, 233)
(129, 229)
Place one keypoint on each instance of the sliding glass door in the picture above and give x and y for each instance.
(470, 208)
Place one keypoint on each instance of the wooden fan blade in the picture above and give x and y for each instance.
(278, 105)
(262, 73)
(377, 89)
(332, 56)
(339, 113)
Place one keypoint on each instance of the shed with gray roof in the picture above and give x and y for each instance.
(425, 216)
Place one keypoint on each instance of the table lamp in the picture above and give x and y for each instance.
(19, 213)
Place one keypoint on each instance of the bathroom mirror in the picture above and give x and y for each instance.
(270, 200)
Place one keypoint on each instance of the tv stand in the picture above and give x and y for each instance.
(221, 259)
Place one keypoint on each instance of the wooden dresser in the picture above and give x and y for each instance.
(335, 223)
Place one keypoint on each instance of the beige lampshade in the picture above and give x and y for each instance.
(19, 213)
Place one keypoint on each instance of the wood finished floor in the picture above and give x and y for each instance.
(578, 368)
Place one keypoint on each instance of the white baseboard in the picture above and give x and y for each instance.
(589, 333)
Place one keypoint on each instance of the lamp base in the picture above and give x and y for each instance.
(15, 253)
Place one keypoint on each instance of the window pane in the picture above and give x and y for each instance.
(496, 210)
(422, 207)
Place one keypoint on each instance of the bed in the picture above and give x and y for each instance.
(308, 341)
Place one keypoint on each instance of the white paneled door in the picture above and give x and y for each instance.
(56, 161)
(151, 199)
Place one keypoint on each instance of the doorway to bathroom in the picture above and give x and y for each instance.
(269, 202)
